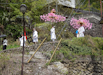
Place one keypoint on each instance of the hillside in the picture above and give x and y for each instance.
(77, 56)
(74, 56)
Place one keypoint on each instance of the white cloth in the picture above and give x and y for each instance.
(21, 40)
(35, 36)
(53, 36)
(81, 31)
(5, 42)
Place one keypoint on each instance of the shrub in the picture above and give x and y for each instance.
(80, 46)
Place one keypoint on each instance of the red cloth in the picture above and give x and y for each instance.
(25, 33)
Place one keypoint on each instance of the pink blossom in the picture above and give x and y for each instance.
(52, 17)
(76, 23)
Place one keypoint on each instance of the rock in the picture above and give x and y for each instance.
(47, 55)
(65, 61)
(60, 67)
(31, 52)
(50, 67)
(39, 55)
(35, 60)
(60, 56)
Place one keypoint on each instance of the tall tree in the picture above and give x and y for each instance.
(34, 9)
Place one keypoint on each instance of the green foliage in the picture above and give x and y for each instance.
(13, 46)
(73, 59)
(94, 42)
(94, 5)
(68, 34)
(41, 24)
(66, 52)
(1, 47)
(15, 10)
(44, 32)
(79, 46)
(85, 44)
(12, 20)
(14, 30)
(47, 64)
(34, 9)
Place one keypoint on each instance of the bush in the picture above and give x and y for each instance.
(80, 46)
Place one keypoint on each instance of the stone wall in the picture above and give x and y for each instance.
(85, 68)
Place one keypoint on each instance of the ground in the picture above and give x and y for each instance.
(36, 66)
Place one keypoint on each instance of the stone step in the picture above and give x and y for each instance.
(37, 54)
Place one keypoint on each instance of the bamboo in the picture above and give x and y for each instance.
(55, 51)
(36, 50)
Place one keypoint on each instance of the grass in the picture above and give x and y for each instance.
(11, 45)
(14, 44)
(42, 24)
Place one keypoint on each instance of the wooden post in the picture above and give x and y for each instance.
(55, 51)
(36, 50)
